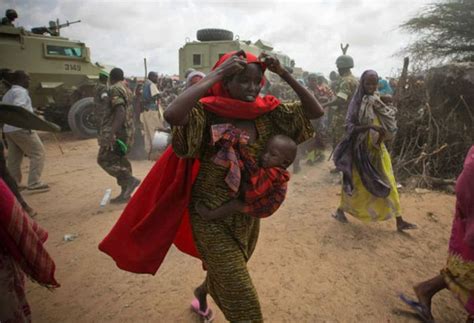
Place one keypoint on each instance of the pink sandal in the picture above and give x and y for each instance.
(207, 315)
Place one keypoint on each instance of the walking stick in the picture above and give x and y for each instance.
(57, 142)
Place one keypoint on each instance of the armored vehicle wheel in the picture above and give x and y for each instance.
(82, 120)
(214, 34)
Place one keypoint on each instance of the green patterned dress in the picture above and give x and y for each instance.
(226, 245)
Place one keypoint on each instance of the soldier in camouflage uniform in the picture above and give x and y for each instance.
(117, 124)
(344, 90)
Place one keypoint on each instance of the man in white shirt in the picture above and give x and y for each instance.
(22, 141)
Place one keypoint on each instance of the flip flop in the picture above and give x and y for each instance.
(343, 220)
(207, 315)
(410, 226)
(417, 307)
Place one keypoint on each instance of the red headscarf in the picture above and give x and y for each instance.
(219, 101)
(157, 215)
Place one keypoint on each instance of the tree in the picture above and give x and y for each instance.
(445, 32)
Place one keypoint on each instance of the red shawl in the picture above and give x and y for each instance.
(157, 215)
(267, 191)
(23, 239)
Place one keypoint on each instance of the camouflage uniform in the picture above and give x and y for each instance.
(344, 90)
(7, 22)
(109, 158)
(100, 101)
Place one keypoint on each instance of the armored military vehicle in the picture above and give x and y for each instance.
(211, 44)
(62, 75)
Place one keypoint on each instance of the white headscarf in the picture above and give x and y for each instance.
(191, 75)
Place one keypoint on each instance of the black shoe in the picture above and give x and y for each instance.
(132, 185)
(119, 199)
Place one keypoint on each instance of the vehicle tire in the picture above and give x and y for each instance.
(214, 34)
(82, 120)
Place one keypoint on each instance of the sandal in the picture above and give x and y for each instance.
(207, 315)
(418, 308)
(336, 216)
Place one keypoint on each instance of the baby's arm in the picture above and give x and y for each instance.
(226, 209)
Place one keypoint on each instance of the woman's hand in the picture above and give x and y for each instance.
(311, 107)
(272, 63)
(379, 129)
(235, 64)
(177, 113)
(382, 133)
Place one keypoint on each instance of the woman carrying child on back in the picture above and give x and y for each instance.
(369, 189)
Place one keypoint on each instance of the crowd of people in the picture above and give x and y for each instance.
(230, 150)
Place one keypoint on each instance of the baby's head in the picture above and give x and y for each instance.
(279, 152)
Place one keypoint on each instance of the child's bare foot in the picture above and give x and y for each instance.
(201, 294)
(403, 225)
(340, 216)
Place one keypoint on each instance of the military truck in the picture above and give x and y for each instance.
(61, 71)
(211, 44)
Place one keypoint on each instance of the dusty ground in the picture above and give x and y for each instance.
(307, 267)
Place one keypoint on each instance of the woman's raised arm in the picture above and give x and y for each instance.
(311, 105)
(177, 113)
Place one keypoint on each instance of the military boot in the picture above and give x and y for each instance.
(121, 197)
(131, 186)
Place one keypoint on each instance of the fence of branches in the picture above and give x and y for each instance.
(436, 125)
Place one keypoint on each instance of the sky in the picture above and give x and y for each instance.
(123, 32)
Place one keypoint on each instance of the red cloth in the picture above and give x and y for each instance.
(266, 192)
(23, 239)
(157, 215)
(266, 188)
(462, 233)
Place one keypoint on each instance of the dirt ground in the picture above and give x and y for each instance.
(307, 267)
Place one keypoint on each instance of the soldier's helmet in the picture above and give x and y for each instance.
(344, 61)
(11, 14)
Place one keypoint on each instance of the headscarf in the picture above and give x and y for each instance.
(157, 215)
(352, 117)
(354, 149)
(219, 101)
(384, 87)
(192, 75)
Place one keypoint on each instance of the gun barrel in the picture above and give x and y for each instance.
(68, 23)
